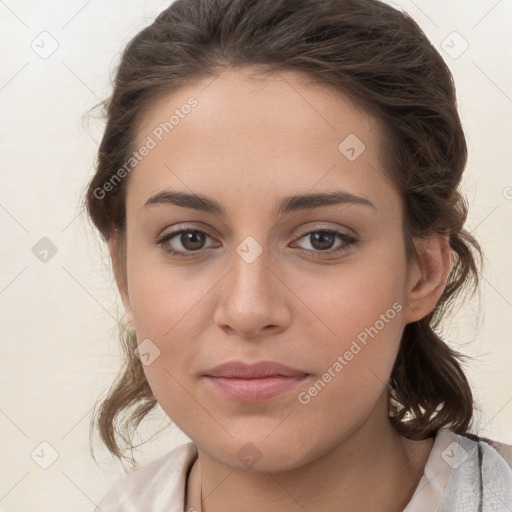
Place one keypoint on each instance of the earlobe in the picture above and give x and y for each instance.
(428, 282)
(118, 258)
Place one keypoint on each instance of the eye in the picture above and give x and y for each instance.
(191, 240)
(322, 241)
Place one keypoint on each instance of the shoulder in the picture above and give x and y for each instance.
(158, 486)
(481, 472)
(497, 453)
(504, 450)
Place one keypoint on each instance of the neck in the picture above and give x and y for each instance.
(372, 469)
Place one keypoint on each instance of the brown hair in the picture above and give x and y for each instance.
(364, 48)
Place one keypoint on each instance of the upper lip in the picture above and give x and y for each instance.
(261, 369)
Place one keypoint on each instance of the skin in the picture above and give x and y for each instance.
(251, 141)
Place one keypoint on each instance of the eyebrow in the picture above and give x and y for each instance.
(288, 204)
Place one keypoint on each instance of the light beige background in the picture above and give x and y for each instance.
(59, 345)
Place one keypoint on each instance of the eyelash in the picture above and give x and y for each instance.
(348, 240)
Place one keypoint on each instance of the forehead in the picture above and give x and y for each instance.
(257, 136)
(244, 98)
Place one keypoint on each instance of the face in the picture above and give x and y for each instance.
(318, 285)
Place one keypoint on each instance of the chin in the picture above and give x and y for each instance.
(262, 452)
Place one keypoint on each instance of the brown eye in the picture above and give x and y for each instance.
(184, 242)
(192, 240)
(322, 241)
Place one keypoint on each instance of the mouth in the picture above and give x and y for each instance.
(253, 382)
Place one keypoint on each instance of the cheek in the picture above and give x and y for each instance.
(177, 396)
(353, 296)
(360, 308)
(354, 368)
(170, 313)
(162, 298)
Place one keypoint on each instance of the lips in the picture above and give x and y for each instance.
(240, 370)
(253, 382)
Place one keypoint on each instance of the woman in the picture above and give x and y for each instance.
(278, 186)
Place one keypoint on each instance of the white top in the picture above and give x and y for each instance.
(461, 475)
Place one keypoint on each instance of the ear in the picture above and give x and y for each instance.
(117, 248)
(428, 280)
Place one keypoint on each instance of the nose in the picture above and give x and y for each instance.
(254, 298)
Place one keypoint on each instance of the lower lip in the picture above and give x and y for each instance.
(253, 390)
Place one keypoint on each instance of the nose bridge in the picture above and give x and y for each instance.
(251, 271)
(250, 298)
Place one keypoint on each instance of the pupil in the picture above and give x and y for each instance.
(325, 239)
(192, 240)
